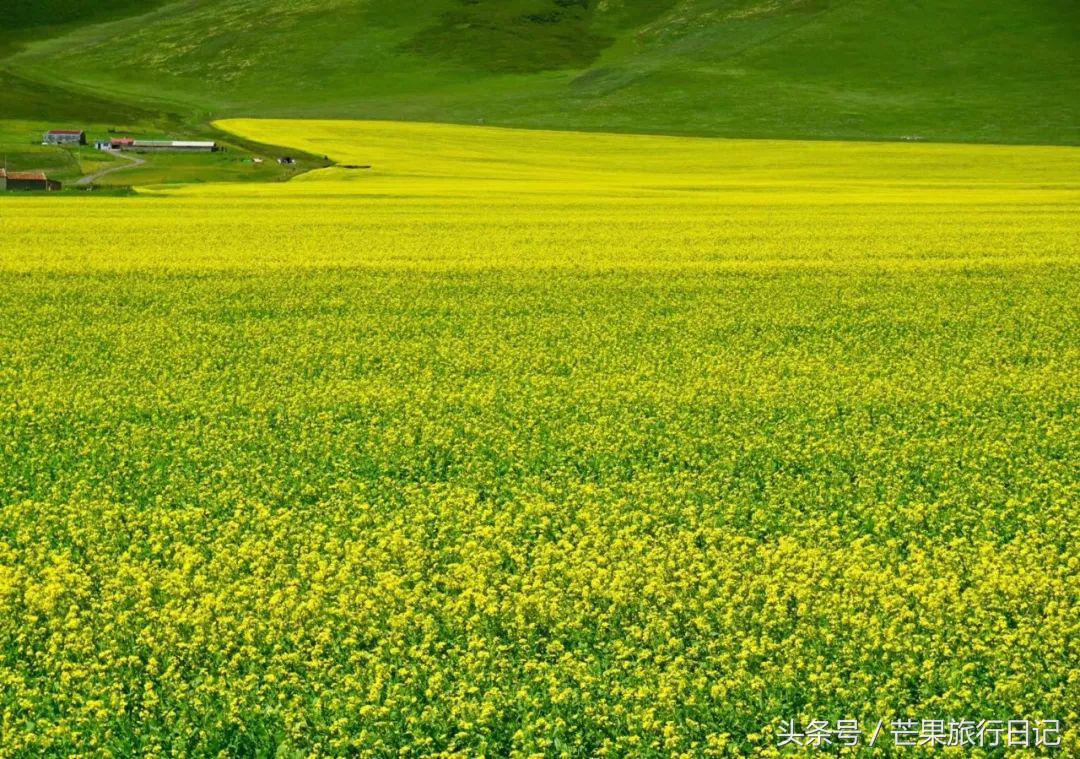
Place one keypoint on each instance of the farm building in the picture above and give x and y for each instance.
(164, 146)
(28, 181)
(64, 137)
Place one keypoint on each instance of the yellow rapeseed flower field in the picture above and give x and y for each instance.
(539, 444)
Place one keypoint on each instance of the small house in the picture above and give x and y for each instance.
(30, 181)
(286, 160)
(103, 145)
(64, 137)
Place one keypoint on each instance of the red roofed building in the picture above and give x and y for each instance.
(64, 137)
(27, 181)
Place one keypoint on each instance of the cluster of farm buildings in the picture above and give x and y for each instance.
(78, 137)
(38, 180)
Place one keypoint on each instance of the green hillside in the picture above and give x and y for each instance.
(21, 15)
(946, 70)
(22, 21)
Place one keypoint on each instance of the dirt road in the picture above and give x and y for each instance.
(91, 178)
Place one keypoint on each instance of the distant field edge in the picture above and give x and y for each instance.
(218, 122)
(233, 126)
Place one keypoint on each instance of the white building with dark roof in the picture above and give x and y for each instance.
(64, 137)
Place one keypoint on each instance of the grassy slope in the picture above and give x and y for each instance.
(949, 70)
(28, 107)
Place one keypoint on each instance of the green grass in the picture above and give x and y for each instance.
(195, 168)
(949, 70)
(25, 21)
(26, 100)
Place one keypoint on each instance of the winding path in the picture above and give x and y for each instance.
(91, 178)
